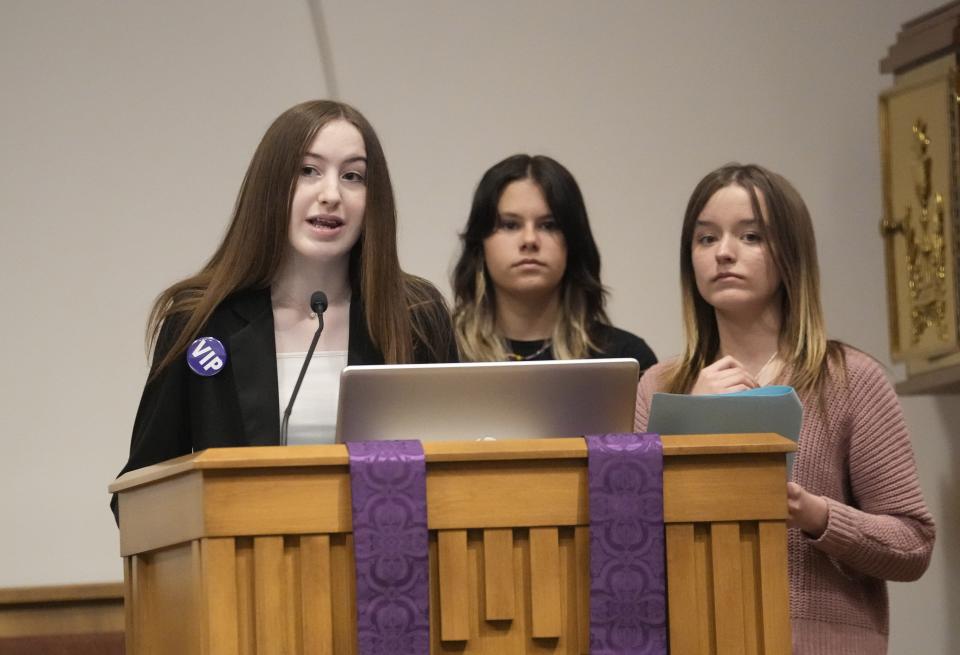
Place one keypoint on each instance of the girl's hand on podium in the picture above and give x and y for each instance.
(807, 511)
(726, 375)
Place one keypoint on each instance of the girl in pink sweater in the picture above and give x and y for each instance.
(752, 317)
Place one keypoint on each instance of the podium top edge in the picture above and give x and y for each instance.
(437, 452)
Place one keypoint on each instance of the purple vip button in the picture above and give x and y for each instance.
(206, 356)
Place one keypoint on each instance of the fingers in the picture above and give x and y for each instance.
(794, 494)
(725, 362)
(736, 376)
(726, 375)
(806, 511)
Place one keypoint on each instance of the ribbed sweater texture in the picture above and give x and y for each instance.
(855, 452)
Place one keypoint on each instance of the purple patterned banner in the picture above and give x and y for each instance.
(388, 488)
(628, 610)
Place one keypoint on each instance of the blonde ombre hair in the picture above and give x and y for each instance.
(788, 232)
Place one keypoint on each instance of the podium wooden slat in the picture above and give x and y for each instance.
(452, 555)
(129, 604)
(219, 611)
(774, 585)
(269, 582)
(498, 574)
(315, 591)
(681, 587)
(704, 617)
(545, 582)
(292, 598)
(509, 548)
(246, 593)
(750, 587)
(727, 588)
(581, 538)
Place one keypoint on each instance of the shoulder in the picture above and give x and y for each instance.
(422, 295)
(615, 342)
(859, 368)
(652, 381)
(247, 304)
(432, 328)
(655, 378)
(858, 384)
(234, 312)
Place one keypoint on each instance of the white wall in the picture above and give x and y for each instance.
(126, 128)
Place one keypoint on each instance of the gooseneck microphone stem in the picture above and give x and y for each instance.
(318, 303)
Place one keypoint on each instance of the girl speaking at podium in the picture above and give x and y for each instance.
(315, 212)
(752, 317)
(527, 284)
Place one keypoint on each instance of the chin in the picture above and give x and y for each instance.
(735, 304)
(532, 289)
(322, 252)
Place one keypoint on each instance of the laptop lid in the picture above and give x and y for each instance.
(499, 400)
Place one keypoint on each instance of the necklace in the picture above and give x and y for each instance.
(763, 368)
(514, 357)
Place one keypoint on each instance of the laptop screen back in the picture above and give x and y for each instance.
(499, 400)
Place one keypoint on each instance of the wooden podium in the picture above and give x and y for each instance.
(249, 550)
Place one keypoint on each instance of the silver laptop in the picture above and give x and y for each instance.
(491, 400)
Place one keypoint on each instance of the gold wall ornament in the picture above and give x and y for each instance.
(920, 157)
(925, 243)
(919, 128)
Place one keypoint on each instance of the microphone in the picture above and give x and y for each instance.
(318, 303)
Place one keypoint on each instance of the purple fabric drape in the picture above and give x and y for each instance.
(628, 611)
(389, 502)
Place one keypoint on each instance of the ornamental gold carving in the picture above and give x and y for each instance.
(919, 126)
(925, 257)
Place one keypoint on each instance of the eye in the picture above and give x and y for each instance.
(550, 225)
(309, 171)
(507, 224)
(354, 176)
(704, 239)
(752, 237)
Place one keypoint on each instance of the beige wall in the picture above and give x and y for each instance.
(125, 129)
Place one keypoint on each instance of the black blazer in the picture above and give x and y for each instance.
(181, 412)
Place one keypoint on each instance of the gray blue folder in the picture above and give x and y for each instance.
(774, 409)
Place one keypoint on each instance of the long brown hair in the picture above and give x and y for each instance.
(582, 295)
(254, 246)
(788, 232)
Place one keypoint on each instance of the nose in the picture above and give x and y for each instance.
(328, 191)
(726, 249)
(530, 237)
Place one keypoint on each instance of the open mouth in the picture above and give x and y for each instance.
(325, 222)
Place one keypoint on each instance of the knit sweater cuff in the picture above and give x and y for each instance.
(842, 533)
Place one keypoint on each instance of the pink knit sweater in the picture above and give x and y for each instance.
(859, 458)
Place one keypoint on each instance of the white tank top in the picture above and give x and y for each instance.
(314, 416)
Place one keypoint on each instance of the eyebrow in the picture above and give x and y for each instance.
(742, 221)
(513, 215)
(348, 160)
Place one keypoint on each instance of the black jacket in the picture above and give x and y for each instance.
(181, 412)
